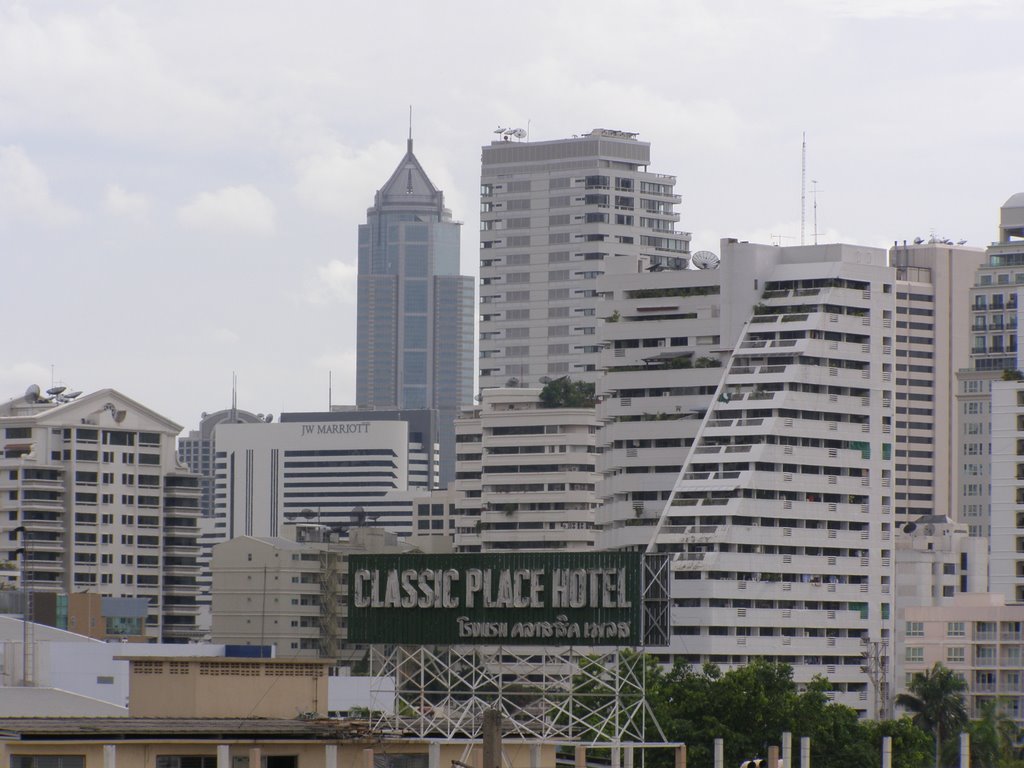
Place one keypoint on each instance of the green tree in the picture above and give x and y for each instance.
(911, 746)
(565, 393)
(936, 698)
(993, 738)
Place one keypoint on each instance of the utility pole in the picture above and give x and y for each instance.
(876, 665)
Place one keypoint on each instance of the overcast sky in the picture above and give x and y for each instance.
(181, 182)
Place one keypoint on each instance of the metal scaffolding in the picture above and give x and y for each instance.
(587, 696)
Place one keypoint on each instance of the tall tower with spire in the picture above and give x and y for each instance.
(415, 323)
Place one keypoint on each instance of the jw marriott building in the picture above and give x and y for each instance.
(415, 320)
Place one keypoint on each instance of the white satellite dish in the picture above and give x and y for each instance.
(705, 260)
(519, 133)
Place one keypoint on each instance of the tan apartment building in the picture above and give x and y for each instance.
(286, 593)
(980, 638)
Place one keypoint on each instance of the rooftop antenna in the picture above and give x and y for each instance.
(803, 187)
(410, 127)
(234, 398)
(814, 193)
(330, 382)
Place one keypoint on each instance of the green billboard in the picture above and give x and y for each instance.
(522, 598)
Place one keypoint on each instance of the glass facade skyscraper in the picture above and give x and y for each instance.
(415, 322)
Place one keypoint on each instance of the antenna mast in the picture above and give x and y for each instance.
(803, 187)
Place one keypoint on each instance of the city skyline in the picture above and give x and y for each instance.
(164, 178)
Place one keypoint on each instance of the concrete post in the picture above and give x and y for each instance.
(255, 757)
(581, 757)
(535, 753)
(367, 758)
(787, 750)
(627, 755)
(330, 756)
(223, 756)
(616, 756)
(773, 756)
(887, 752)
(492, 739)
(805, 752)
(965, 750)
(434, 755)
(719, 753)
(681, 756)
(109, 756)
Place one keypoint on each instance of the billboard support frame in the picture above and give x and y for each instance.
(586, 695)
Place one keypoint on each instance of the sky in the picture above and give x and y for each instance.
(181, 182)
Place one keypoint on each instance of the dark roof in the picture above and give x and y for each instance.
(139, 728)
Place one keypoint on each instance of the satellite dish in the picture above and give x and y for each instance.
(519, 133)
(499, 130)
(55, 390)
(929, 529)
(269, 418)
(32, 393)
(910, 527)
(72, 395)
(705, 260)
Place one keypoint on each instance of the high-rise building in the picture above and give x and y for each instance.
(660, 364)
(555, 216)
(527, 474)
(933, 281)
(93, 498)
(196, 450)
(994, 312)
(338, 473)
(779, 530)
(415, 321)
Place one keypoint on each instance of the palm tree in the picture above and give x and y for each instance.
(993, 736)
(936, 697)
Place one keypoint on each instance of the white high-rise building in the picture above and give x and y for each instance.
(995, 316)
(336, 473)
(555, 216)
(661, 362)
(779, 530)
(93, 498)
(527, 475)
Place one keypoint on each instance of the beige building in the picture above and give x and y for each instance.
(980, 638)
(232, 713)
(286, 593)
(933, 282)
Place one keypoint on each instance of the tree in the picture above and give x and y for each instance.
(936, 699)
(565, 393)
(993, 738)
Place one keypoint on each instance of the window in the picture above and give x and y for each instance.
(956, 629)
(955, 655)
(915, 654)
(186, 761)
(47, 761)
(915, 629)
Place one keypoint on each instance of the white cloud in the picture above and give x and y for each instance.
(119, 202)
(335, 281)
(242, 209)
(25, 192)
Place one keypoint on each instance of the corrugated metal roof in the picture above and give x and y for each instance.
(135, 728)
